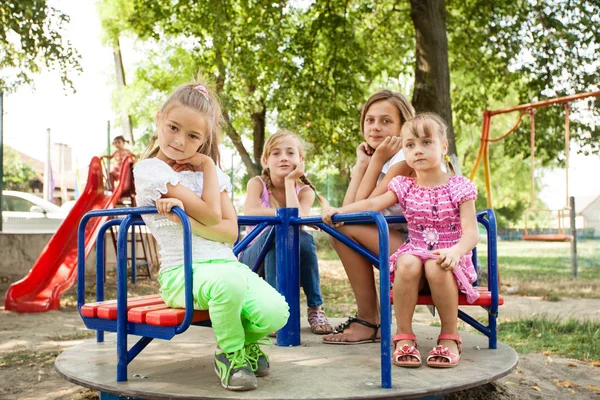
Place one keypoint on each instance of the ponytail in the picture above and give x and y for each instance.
(449, 164)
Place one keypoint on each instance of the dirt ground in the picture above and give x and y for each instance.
(30, 342)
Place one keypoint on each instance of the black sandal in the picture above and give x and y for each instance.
(341, 327)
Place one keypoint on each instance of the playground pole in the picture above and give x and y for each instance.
(108, 138)
(574, 240)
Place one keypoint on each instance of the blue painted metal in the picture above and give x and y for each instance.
(101, 266)
(287, 250)
(286, 225)
(133, 263)
(121, 325)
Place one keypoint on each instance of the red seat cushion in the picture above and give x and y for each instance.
(150, 309)
(485, 298)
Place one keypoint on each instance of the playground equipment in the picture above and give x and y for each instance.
(93, 364)
(483, 153)
(54, 272)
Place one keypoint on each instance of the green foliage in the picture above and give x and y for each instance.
(309, 66)
(31, 37)
(17, 174)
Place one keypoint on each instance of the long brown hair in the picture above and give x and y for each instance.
(427, 125)
(270, 144)
(200, 97)
(405, 109)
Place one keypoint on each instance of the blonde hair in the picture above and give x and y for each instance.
(199, 97)
(405, 109)
(426, 125)
(270, 144)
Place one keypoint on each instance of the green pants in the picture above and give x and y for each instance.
(243, 308)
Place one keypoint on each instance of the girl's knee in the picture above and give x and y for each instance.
(273, 314)
(435, 273)
(409, 267)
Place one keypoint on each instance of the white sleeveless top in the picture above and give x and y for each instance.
(151, 178)
(394, 210)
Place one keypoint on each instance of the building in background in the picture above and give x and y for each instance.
(63, 172)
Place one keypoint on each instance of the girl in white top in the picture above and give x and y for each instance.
(182, 171)
(378, 159)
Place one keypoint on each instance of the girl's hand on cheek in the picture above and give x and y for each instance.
(388, 148)
(364, 152)
(297, 172)
(180, 167)
(197, 162)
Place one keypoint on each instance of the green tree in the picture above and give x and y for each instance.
(17, 174)
(31, 37)
(308, 68)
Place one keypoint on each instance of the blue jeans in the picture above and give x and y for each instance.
(309, 265)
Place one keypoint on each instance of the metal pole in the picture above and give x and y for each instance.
(47, 169)
(574, 240)
(1, 154)
(108, 138)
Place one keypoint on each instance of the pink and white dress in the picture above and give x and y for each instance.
(434, 223)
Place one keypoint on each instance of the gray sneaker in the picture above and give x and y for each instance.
(234, 371)
(258, 360)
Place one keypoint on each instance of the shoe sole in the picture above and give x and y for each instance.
(234, 388)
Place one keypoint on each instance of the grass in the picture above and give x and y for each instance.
(544, 269)
(28, 359)
(553, 336)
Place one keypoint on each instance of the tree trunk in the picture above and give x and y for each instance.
(432, 73)
(259, 120)
(120, 72)
(252, 168)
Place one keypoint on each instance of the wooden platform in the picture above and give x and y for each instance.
(183, 368)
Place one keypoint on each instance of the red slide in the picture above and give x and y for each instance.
(55, 271)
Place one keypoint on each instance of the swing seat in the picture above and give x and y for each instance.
(557, 237)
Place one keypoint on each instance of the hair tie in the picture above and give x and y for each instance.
(270, 192)
(202, 89)
(447, 158)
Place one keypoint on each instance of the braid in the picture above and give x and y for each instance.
(322, 200)
(266, 175)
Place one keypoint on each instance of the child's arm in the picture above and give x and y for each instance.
(225, 231)
(450, 257)
(363, 156)
(302, 201)
(378, 203)
(384, 152)
(395, 170)
(207, 208)
(252, 203)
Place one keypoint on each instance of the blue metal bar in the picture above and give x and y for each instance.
(187, 269)
(101, 266)
(133, 264)
(241, 245)
(138, 347)
(265, 249)
(122, 359)
(287, 250)
(384, 278)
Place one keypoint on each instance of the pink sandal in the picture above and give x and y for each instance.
(443, 352)
(406, 350)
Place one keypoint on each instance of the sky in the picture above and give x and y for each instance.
(80, 119)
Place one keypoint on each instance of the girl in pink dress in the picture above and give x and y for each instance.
(442, 230)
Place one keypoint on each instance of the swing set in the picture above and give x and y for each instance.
(483, 154)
